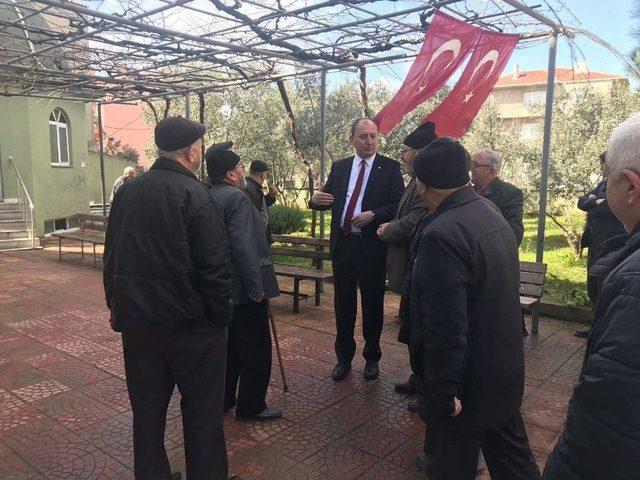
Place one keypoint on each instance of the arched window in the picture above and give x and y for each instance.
(59, 137)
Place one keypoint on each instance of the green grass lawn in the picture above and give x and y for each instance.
(566, 275)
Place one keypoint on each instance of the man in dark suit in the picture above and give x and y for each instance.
(362, 192)
(485, 168)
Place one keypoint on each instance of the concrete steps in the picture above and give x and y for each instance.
(10, 215)
(14, 243)
(13, 230)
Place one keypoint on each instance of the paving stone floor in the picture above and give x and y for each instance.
(64, 409)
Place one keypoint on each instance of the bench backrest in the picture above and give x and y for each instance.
(300, 247)
(532, 277)
(87, 221)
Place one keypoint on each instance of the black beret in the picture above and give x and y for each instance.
(258, 166)
(443, 164)
(174, 133)
(221, 146)
(220, 159)
(421, 136)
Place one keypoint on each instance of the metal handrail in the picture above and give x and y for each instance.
(25, 204)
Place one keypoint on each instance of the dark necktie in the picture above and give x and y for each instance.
(353, 200)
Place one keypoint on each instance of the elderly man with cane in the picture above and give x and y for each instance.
(254, 283)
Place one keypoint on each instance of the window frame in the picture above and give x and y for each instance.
(534, 99)
(58, 114)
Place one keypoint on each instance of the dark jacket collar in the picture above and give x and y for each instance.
(492, 187)
(164, 163)
(614, 251)
(252, 181)
(460, 197)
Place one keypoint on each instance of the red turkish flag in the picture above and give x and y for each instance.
(456, 113)
(446, 45)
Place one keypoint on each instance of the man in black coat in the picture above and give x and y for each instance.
(601, 438)
(601, 225)
(362, 192)
(167, 283)
(485, 167)
(466, 290)
(254, 283)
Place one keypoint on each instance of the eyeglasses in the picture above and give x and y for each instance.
(478, 165)
(405, 150)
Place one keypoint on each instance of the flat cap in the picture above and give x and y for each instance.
(174, 133)
(421, 136)
(220, 159)
(258, 166)
(444, 164)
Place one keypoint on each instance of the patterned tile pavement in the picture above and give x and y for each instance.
(65, 414)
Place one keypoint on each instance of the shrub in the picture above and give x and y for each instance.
(284, 220)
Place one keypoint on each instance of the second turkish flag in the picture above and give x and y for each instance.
(445, 47)
(456, 113)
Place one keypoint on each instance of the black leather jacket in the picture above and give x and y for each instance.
(166, 261)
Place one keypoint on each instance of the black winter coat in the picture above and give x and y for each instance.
(466, 285)
(166, 260)
(601, 224)
(510, 201)
(601, 439)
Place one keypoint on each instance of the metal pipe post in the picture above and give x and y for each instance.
(323, 140)
(1, 178)
(544, 176)
(187, 106)
(102, 187)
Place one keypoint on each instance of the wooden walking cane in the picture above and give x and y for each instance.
(285, 387)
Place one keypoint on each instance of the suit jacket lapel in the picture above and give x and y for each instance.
(344, 186)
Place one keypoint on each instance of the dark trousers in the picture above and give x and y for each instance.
(196, 364)
(248, 359)
(453, 454)
(354, 267)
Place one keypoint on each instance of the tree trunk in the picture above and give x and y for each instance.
(153, 110)
(298, 149)
(570, 234)
(364, 100)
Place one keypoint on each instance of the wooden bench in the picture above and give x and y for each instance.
(532, 277)
(302, 247)
(90, 229)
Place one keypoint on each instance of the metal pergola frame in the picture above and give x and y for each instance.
(155, 49)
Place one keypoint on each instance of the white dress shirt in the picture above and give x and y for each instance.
(355, 171)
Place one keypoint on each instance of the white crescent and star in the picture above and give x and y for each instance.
(452, 46)
(491, 56)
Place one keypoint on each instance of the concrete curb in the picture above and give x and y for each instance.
(569, 313)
